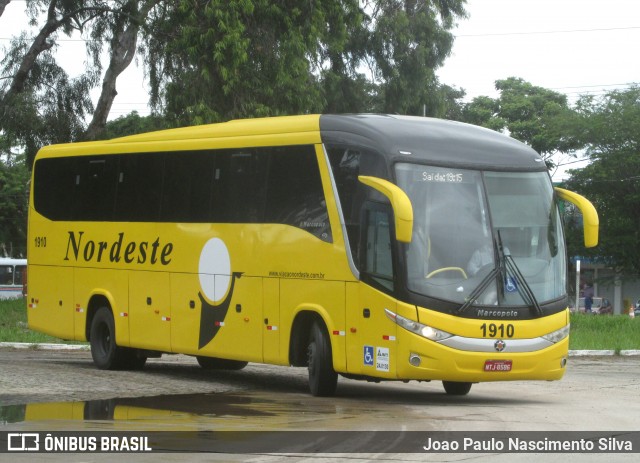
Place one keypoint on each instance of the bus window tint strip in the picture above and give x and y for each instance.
(254, 185)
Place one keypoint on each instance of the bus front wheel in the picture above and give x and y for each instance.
(323, 380)
(456, 388)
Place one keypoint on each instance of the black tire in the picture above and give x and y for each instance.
(213, 363)
(456, 388)
(99, 409)
(133, 359)
(104, 350)
(323, 379)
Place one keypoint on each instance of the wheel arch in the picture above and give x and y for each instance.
(96, 301)
(303, 320)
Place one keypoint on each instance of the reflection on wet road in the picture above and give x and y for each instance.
(55, 392)
(359, 406)
(174, 394)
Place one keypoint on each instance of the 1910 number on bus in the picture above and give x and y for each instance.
(41, 241)
(493, 330)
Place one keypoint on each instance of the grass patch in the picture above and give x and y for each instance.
(616, 332)
(610, 332)
(13, 324)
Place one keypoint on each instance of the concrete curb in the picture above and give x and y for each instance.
(50, 346)
(43, 346)
(603, 353)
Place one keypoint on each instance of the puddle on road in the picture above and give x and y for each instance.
(192, 411)
(358, 407)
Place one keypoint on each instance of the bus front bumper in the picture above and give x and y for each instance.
(422, 359)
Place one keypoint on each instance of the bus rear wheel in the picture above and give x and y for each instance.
(104, 350)
(323, 380)
(213, 363)
(456, 388)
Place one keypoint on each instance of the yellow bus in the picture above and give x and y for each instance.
(370, 246)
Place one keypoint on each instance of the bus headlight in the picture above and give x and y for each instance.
(557, 335)
(425, 331)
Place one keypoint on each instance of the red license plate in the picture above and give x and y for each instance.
(498, 365)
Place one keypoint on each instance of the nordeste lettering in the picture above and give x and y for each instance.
(129, 252)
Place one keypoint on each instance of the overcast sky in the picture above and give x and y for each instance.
(571, 46)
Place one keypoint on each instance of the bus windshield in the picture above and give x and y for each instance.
(483, 238)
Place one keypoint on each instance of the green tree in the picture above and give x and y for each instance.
(39, 103)
(534, 115)
(13, 205)
(610, 128)
(214, 60)
(409, 40)
(132, 124)
(121, 29)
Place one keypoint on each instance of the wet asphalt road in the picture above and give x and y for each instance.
(43, 390)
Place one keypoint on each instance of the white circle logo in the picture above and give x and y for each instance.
(215, 270)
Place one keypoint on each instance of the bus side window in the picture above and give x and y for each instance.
(20, 272)
(377, 253)
(140, 180)
(55, 185)
(294, 193)
(188, 187)
(6, 275)
(95, 188)
(345, 164)
(239, 185)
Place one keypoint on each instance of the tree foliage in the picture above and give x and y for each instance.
(211, 60)
(540, 117)
(132, 124)
(121, 29)
(13, 206)
(609, 126)
(408, 41)
(214, 60)
(39, 102)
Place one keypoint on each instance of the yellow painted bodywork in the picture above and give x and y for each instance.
(285, 271)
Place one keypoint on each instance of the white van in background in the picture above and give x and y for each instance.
(13, 273)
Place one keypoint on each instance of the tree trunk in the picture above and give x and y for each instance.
(3, 4)
(122, 54)
(39, 45)
(123, 50)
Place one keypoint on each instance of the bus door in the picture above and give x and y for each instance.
(371, 342)
(372, 338)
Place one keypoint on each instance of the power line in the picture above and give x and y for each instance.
(489, 34)
(572, 31)
(627, 84)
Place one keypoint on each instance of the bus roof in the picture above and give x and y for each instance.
(431, 141)
(400, 138)
(273, 131)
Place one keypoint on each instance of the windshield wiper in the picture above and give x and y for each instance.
(522, 287)
(506, 265)
(475, 294)
(491, 276)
